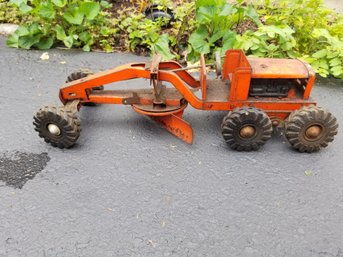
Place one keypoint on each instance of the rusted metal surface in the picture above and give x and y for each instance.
(134, 96)
(277, 68)
(152, 109)
(148, 109)
(176, 126)
(247, 131)
(170, 118)
(217, 90)
(159, 89)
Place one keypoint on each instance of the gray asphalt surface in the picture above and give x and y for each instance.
(129, 188)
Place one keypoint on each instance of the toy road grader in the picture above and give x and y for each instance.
(258, 93)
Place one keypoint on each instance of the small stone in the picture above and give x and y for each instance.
(45, 56)
(7, 29)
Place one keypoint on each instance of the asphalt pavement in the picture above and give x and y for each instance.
(129, 188)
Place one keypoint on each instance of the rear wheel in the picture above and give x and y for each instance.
(59, 127)
(79, 75)
(310, 129)
(246, 129)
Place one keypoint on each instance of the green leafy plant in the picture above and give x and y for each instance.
(268, 41)
(215, 21)
(141, 34)
(328, 60)
(184, 24)
(302, 16)
(74, 23)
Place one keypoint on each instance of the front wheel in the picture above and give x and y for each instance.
(310, 128)
(246, 129)
(57, 126)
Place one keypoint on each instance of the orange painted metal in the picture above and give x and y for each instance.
(277, 68)
(176, 126)
(184, 75)
(310, 82)
(238, 74)
(171, 121)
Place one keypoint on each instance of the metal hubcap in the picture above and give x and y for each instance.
(54, 129)
(247, 131)
(314, 131)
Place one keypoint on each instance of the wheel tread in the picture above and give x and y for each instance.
(297, 122)
(233, 121)
(66, 121)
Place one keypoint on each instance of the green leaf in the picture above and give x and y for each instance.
(86, 48)
(227, 10)
(22, 31)
(107, 48)
(12, 41)
(68, 41)
(323, 64)
(336, 62)
(229, 40)
(45, 43)
(320, 54)
(60, 3)
(47, 11)
(85, 37)
(252, 14)
(331, 55)
(18, 2)
(205, 14)
(24, 8)
(74, 16)
(27, 42)
(34, 29)
(198, 40)
(200, 3)
(337, 69)
(90, 9)
(105, 31)
(162, 47)
(105, 4)
(216, 36)
(60, 33)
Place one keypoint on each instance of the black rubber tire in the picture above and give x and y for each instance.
(79, 75)
(242, 117)
(300, 120)
(65, 120)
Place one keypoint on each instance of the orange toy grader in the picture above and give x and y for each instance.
(258, 93)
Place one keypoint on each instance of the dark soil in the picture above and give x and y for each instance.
(244, 26)
(124, 4)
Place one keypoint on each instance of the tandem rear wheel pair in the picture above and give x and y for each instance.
(307, 130)
(244, 129)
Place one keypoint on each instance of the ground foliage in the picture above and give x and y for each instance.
(284, 28)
